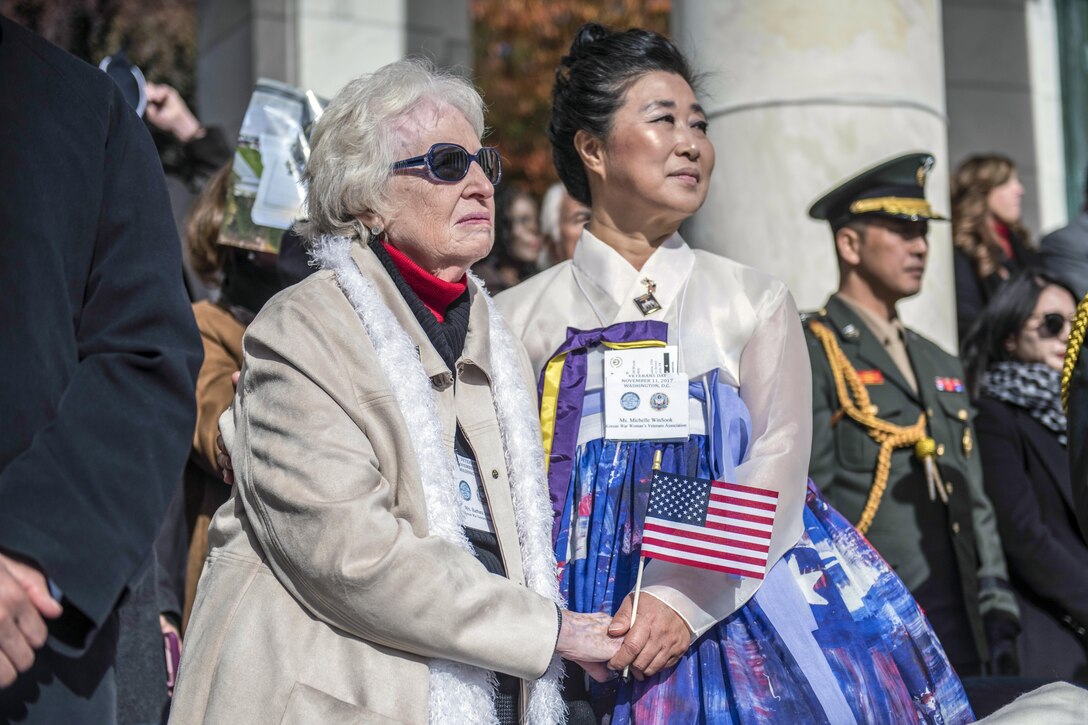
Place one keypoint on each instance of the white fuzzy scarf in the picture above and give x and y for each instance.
(460, 693)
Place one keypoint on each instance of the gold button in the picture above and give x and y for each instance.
(494, 473)
(873, 410)
(940, 449)
(955, 527)
(961, 414)
(949, 486)
(929, 412)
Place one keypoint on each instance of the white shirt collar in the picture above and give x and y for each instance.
(613, 284)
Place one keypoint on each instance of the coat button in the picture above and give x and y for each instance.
(961, 414)
(929, 412)
(494, 473)
(940, 449)
(955, 527)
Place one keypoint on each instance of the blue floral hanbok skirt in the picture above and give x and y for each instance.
(831, 636)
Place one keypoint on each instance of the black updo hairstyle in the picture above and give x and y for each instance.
(590, 85)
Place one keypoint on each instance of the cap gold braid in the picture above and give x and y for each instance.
(854, 399)
(893, 205)
(1072, 349)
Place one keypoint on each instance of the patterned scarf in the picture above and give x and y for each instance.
(1035, 387)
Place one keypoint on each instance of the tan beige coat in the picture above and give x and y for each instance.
(323, 596)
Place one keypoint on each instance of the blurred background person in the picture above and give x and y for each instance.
(245, 280)
(1064, 252)
(990, 242)
(562, 218)
(515, 255)
(191, 154)
(1013, 357)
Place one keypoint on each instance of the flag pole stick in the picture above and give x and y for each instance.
(641, 566)
(634, 607)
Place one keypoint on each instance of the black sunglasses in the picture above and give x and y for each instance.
(1053, 324)
(450, 162)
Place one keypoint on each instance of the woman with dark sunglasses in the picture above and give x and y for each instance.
(654, 355)
(386, 552)
(1013, 357)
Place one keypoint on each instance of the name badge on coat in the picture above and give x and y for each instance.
(473, 499)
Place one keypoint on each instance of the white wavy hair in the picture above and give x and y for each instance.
(355, 142)
(549, 210)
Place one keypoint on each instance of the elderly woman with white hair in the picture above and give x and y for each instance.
(386, 552)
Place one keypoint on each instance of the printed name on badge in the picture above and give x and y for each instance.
(473, 499)
(645, 395)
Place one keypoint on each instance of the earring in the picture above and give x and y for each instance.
(376, 231)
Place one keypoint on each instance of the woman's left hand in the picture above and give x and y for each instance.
(656, 641)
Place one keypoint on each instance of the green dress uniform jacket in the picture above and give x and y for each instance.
(949, 555)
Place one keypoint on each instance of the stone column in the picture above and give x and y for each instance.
(316, 44)
(341, 39)
(804, 94)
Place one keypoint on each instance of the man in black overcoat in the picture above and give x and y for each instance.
(98, 357)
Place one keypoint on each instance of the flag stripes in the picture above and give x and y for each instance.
(709, 524)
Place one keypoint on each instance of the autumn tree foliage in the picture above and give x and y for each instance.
(517, 47)
(158, 35)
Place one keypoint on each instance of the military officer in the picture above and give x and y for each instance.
(893, 447)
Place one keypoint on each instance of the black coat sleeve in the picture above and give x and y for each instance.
(969, 295)
(103, 469)
(1034, 554)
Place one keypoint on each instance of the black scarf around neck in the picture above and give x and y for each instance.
(448, 337)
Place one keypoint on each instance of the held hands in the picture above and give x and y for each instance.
(604, 647)
(222, 455)
(226, 468)
(24, 601)
(584, 639)
(656, 641)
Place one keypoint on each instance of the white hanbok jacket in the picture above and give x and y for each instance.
(721, 315)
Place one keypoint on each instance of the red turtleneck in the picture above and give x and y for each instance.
(436, 294)
(1002, 233)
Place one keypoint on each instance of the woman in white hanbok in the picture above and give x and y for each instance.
(827, 633)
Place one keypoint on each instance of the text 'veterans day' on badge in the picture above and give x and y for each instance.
(645, 395)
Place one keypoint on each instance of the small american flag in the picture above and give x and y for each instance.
(709, 524)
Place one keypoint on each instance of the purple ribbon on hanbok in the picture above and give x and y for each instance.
(562, 390)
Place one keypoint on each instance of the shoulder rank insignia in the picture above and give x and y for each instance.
(949, 385)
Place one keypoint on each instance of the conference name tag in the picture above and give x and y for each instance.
(645, 395)
(473, 500)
